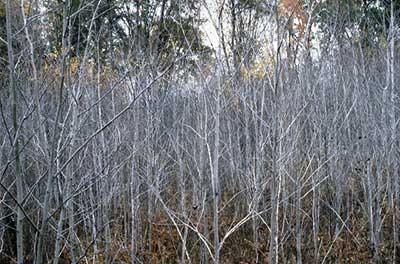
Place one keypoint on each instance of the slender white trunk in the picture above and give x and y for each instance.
(18, 175)
(53, 147)
(276, 150)
(215, 176)
(394, 141)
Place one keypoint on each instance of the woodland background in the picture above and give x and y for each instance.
(129, 136)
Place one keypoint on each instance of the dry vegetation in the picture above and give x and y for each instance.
(125, 138)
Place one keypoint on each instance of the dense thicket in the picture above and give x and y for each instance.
(128, 137)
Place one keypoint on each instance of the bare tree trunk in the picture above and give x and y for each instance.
(134, 190)
(216, 195)
(298, 220)
(394, 140)
(371, 218)
(215, 171)
(53, 147)
(59, 237)
(276, 150)
(204, 182)
(16, 128)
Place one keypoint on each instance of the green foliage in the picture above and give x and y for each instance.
(140, 27)
(3, 45)
(3, 29)
(365, 21)
(177, 38)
